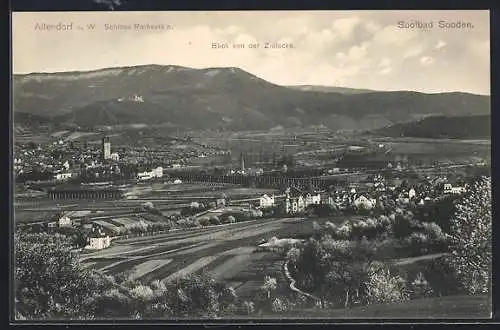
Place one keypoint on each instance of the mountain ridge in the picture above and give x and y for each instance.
(218, 98)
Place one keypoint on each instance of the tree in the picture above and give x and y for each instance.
(471, 251)
(270, 284)
(80, 238)
(50, 282)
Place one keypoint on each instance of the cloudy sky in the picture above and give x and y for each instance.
(359, 49)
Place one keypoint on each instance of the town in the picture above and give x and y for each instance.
(65, 171)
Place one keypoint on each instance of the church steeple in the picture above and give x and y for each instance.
(242, 162)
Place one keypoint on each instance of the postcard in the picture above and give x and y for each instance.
(251, 165)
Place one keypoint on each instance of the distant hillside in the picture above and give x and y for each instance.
(331, 89)
(217, 98)
(470, 127)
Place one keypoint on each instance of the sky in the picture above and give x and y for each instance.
(356, 49)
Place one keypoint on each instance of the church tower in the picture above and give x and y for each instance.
(242, 162)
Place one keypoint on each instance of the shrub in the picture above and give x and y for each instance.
(204, 221)
(214, 220)
(433, 232)
(248, 307)
(385, 287)
(420, 287)
(279, 305)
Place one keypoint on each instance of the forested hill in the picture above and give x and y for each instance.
(468, 127)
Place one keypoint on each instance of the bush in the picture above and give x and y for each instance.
(385, 287)
(279, 305)
(214, 220)
(248, 307)
(433, 232)
(420, 287)
(204, 221)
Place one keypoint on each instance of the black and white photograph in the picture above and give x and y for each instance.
(251, 165)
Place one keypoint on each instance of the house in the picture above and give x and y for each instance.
(115, 157)
(266, 201)
(98, 240)
(301, 203)
(63, 176)
(51, 226)
(363, 202)
(411, 193)
(154, 173)
(312, 199)
(294, 204)
(65, 221)
(449, 189)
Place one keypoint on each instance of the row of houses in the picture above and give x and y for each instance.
(299, 201)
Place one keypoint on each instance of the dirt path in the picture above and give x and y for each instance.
(408, 261)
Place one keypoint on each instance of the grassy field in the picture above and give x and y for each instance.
(451, 307)
(226, 252)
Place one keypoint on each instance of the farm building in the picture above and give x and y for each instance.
(65, 221)
(266, 201)
(98, 240)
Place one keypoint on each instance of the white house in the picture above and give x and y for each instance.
(64, 221)
(449, 189)
(266, 201)
(63, 176)
(99, 242)
(154, 173)
(115, 156)
(411, 193)
(294, 204)
(144, 175)
(312, 199)
(158, 172)
(364, 202)
(301, 204)
(458, 190)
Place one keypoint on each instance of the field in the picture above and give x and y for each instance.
(226, 252)
(166, 197)
(449, 308)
